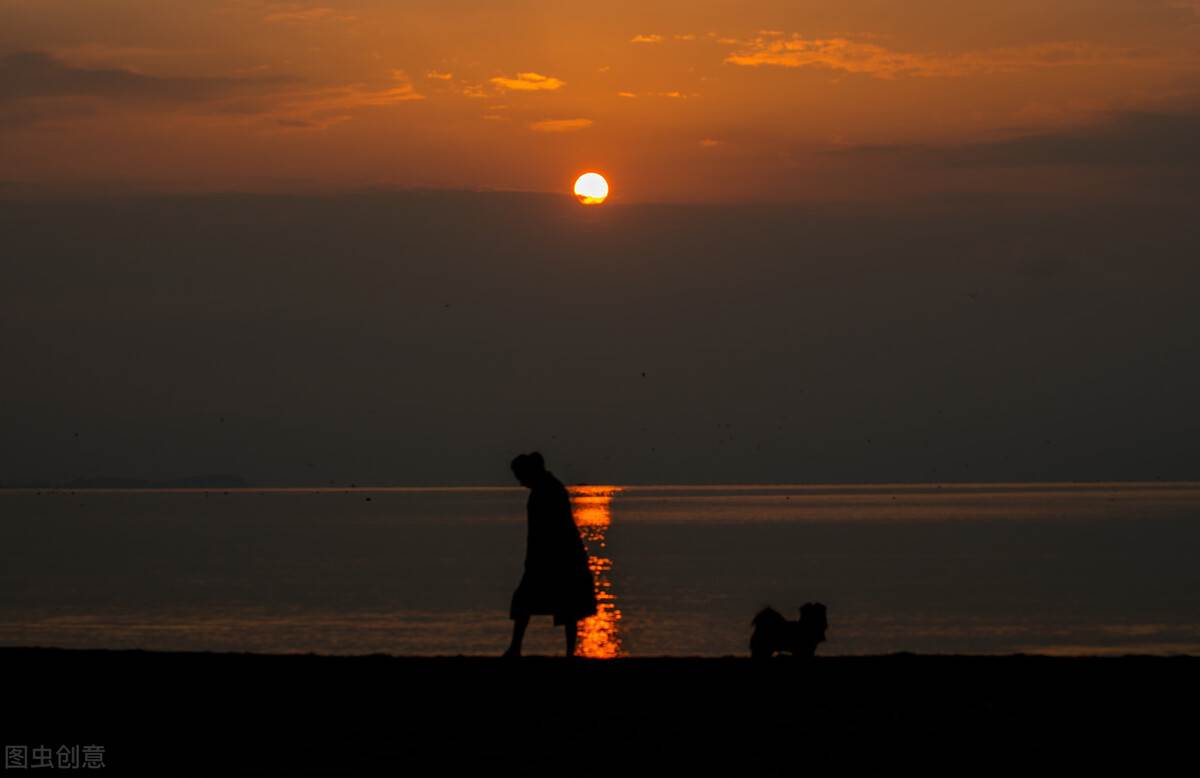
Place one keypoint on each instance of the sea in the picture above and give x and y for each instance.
(1061, 569)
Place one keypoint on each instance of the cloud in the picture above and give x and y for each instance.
(402, 92)
(341, 100)
(838, 284)
(35, 87)
(299, 123)
(28, 113)
(136, 58)
(529, 82)
(320, 107)
(872, 59)
(709, 143)
(1131, 138)
(674, 94)
(439, 76)
(560, 125)
(302, 15)
(651, 38)
(35, 74)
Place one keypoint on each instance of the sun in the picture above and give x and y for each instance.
(591, 188)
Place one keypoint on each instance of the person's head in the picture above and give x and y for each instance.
(527, 468)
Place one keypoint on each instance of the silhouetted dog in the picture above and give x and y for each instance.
(772, 632)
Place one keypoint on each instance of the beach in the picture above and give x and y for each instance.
(214, 713)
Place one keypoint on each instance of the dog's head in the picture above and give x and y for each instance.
(813, 621)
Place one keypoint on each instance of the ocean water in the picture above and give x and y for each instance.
(985, 568)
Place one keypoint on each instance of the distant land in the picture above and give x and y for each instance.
(211, 481)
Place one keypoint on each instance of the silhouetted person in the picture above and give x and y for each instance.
(557, 580)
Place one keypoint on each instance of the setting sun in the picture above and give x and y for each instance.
(591, 188)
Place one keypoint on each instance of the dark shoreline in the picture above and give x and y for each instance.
(172, 712)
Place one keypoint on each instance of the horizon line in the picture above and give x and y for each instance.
(31, 190)
(904, 485)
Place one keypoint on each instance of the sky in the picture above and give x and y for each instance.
(846, 242)
(696, 101)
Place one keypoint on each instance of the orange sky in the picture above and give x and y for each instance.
(672, 100)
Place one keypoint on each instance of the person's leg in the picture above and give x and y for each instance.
(520, 622)
(572, 631)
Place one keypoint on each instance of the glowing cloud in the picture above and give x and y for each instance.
(560, 125)
(438, 76)
(529, 82)
(302, 15)
(320, 109)
(874, 60)
(652, 38)
(403, 91)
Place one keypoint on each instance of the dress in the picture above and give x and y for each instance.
(557, 580)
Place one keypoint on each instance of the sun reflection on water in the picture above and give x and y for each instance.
(599, 635)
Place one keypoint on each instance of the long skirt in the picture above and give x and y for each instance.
(568, 595)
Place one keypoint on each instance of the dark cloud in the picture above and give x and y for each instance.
(35, 74)
(25, 113)
(423, 337)
(1125, 138)
(30, 82)
(36, 88)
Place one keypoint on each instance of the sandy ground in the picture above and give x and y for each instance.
(213, 714)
